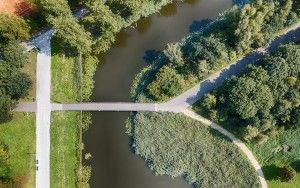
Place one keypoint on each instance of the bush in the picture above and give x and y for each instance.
(287, 173)
(84, 175)
(13, 28)
(167, 83)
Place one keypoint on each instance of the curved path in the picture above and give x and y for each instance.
(235, 140)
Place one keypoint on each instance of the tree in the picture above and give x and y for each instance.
(6, 105)
(247, 97)
(174, 54)
(14, 53)
(103, 24)
(13, 28)
(72, 33)
(166, 84)
(59, 15)
(252, 17)
(18, 86)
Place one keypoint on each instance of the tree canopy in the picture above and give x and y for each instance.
(14, 84)
(264, 98)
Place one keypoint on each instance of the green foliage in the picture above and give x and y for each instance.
(268, 94)
(103, 24)
(175, 145)
(6, 105)
(13, 28)
(13, 53)
(59, 15)
(84, 175)
(167, 83)
(4, 167)
(174, 54)
(247, 97)
(232, 35)
(89, 68)
(288, 173)
(14, 84)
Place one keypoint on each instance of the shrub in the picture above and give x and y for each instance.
(167, 83)
(288, 173)
(13, 28)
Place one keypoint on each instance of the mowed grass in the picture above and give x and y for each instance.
(64, 87)
(272, 156)
(30, 69)
(175, 145)
(65, 138)
(64, 149)
(19, 136)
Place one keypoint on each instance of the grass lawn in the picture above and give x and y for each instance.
(175, 145)
(19, 136)
(272, 156)
(65, 138)
(64, 149)
(30, 69)
(64, 85)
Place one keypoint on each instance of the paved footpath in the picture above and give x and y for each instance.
(43, 113)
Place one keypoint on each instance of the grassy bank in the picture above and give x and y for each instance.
(19, 136)
(65, 126)
(65, 144)
(72, 81)
(175, 145)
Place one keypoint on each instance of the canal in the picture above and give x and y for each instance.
(114, 165)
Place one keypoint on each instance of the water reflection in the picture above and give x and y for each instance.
(144, 24)
(121, 39)
(169, 10)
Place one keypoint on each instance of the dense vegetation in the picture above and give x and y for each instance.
(96, 31)
(14, 84)
(264, 99)
(175, 145)
(263, 107)
(232, 35)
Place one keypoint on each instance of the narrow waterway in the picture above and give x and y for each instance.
(113, 163)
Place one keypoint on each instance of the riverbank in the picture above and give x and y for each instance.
(72, 81)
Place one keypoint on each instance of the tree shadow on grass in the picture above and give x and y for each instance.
(271, 172)
(296, 165)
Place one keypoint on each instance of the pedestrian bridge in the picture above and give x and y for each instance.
(105, 106)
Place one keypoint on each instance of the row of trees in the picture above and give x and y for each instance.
(96, 31)
(14, 84)
(235, 33)
(263, 99)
